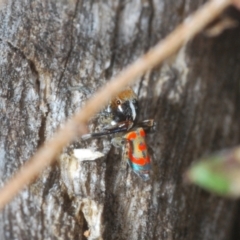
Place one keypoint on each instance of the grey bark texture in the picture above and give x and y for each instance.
(48, 47)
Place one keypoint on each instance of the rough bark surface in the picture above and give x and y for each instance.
(48, 47)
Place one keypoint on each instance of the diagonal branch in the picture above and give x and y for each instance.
(76, 126)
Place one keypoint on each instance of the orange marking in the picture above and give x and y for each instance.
(142, 146)
(131, 136)
(142, 133)
(140, 161)
(123, 96)
(126, 94)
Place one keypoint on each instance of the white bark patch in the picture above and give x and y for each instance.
(92, 212)
(180, 64)
(175, 70)
(76, 176)
(129, 20)
(82, 154)
(83, 186)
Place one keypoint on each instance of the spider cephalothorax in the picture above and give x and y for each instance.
(124, 107)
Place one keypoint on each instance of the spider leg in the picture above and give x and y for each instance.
(119, 127)
(111, 129)
(148, 125)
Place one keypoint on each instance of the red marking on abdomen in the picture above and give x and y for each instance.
(131, 136)
(142, 133)
(142, 146)
(139, 161)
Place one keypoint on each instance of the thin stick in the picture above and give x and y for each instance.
(76, 125)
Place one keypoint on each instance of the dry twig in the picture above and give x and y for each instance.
(77, 124)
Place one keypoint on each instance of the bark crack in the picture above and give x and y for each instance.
(114, 40)
(31, 63)
(71, 46)
(151, 5)
(151, 16)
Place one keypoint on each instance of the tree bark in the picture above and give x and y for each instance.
(50, 46)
